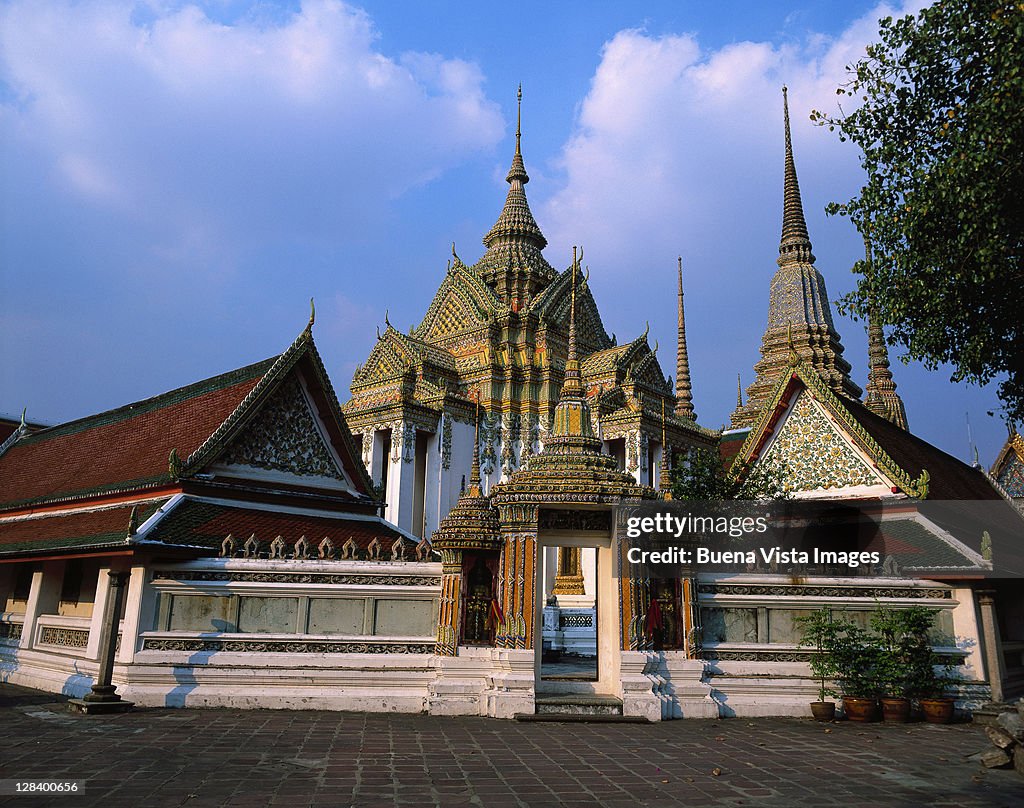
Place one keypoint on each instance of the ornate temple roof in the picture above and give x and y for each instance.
(799, 313)
(571, 465)
(126, 447)
(1008, 470)
(915, 467)
(513, 263)
(395, 353)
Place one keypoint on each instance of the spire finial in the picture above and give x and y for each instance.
(684, 389)
(519, 117)
(795, 246)
(572, 310)
(739, 391)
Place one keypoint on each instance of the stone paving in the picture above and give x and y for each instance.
(194, 758)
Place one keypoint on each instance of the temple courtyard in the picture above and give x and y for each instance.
(189, 757)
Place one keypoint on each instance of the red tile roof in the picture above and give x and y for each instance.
(123, 448)
(198, 523)
(950, 478)
(80, 529)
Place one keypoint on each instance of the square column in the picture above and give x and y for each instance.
(43, 598)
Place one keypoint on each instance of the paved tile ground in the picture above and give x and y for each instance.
(197, 758)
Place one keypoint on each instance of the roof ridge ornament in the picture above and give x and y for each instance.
(312, 317)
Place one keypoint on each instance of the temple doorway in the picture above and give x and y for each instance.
(569, 615)
(578, 644)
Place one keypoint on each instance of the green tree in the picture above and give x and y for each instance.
(705, 477)
(937, 108)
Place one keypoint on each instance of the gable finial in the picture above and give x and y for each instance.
(794, 356)
(133, 521)
(647, 330)
(24, 412)
(387, 322)
(174, 464)
(312, 316)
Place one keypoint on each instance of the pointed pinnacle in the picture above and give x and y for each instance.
(684, 389)
(795, 245)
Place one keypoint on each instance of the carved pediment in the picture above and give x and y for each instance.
(815, 454)
(284, 437)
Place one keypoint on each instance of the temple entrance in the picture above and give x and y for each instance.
(577, 627)
(569, 615)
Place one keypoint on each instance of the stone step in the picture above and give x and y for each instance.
(577, 704)
(581, 718)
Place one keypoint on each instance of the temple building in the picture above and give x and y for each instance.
(219, 544)
(496, 333)
(449, 540)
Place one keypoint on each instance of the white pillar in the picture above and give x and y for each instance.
(43, 598)
(132, 621)
(99, 607)
(401, 476)
(993, 644)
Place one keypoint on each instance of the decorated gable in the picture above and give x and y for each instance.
(462, 303)
(284, 442)
(1011, 476)
(814, 454)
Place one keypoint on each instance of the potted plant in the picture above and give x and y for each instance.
(929, 684)
(818, 632)
(857, 658)
(909, 666)
(903, 643)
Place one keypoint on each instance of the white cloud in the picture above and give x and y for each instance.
(671, 140)
(203, 135)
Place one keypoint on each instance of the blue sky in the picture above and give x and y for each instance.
(178, 179)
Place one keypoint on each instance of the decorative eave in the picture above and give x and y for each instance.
(761, 431)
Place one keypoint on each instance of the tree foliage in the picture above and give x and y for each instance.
(937, 108)
(705, 477)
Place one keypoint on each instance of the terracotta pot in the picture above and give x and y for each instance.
(895, 710)
(937, 711)
(858, 709)
(823, 710)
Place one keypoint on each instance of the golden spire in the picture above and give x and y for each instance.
(739, 391)
(684, 389)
